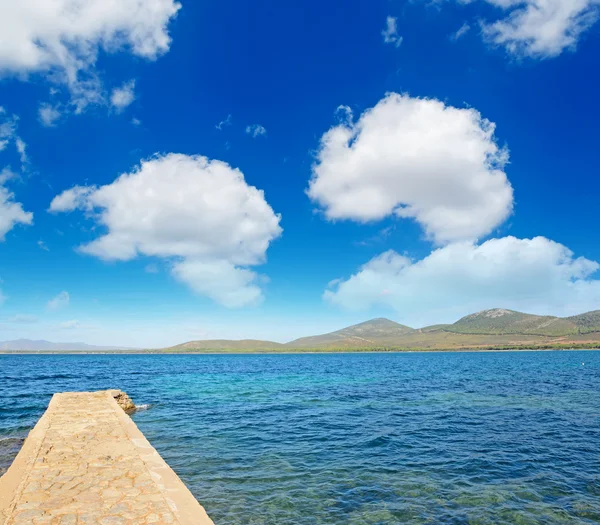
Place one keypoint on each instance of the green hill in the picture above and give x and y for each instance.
(433, 328)
(225, 344)
(586, 323)
(500, 321)
(369, 333)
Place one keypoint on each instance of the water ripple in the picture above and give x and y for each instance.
(378, 439)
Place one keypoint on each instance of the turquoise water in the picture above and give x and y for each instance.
(423, 438)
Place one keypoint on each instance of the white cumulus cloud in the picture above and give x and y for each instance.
(72, 199)
(62, 38)
(222, 281)
(532, 275)
(415, 158)
(198, 212)
(123, 96)
(62, 300)
(541, 28)
(390, 33)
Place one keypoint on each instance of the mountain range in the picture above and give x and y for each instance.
(496, 328)
(489, 328)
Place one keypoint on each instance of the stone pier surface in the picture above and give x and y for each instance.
(86, 462)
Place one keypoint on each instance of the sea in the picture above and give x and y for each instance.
(353, 439)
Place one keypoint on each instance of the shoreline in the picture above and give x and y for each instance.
(312, 351)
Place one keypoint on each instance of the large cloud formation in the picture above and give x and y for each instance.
(63, 37)
(535, 275)
(199, 212)
(541, 28)
(415, 158)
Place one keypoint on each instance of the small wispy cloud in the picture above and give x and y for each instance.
(136, 121)
(344, 114)
(334, 282)
(23, 319)
(462, 31)
(151, 268)
(8, 134)
(43, 246)
(60, 301)
(8, 128)
(70, 325)
(390, 33)
(123, 96)
(224, 123)
(256, 130)
(379, 238)
(48, 115)
(11, 211)
(22, 151)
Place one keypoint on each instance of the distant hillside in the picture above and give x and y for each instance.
(433, 328)
(496, 328)
(586, 323)
(500, 321)
(28, 345)
(225, 344)
(369, 333)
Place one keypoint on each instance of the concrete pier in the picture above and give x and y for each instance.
(86, 462)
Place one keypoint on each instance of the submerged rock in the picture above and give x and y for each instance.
(123, 400)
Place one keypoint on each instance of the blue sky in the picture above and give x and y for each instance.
(292, 168)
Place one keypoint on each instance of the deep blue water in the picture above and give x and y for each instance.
(452, 438)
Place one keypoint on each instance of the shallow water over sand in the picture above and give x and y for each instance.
(459, 438)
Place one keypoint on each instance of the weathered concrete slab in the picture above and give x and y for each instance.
(86, 462)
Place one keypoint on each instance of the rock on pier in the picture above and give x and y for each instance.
(86, 462)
